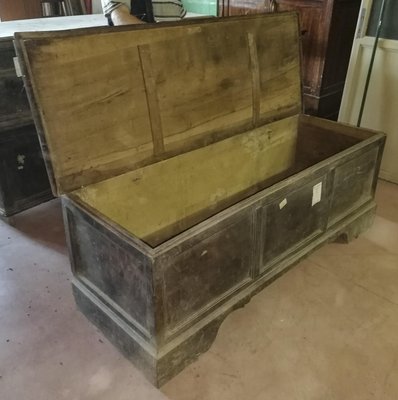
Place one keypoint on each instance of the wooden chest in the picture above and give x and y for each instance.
(190, 179)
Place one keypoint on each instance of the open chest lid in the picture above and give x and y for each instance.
(110, 100)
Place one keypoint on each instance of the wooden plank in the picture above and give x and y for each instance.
(170, 195)
(255, 77)
(325, 126)
(152, 98)
(130, 96)
(94, 118)
(278, 53)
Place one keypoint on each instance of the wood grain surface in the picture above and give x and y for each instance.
(106, 96)
(162, 199)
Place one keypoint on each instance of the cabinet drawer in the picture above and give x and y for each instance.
(293, 219)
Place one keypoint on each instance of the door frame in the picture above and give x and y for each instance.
(354, 88)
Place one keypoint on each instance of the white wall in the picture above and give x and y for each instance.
(97, 9)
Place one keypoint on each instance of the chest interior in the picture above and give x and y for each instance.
(161, 200)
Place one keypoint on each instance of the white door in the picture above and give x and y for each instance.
(381, 108)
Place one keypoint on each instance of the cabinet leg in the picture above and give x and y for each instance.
(357, 227)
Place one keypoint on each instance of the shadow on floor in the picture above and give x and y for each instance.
(43, 224)
(386, 198)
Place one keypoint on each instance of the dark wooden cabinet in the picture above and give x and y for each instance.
(328, 28)
(228, 8)
(23, 178)
(19, 9)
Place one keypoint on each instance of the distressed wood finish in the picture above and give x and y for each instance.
(216, 202)
(327, 28)
(14, 105)
(24, 181)
(188, 95)
(23, 177)
(163, 209)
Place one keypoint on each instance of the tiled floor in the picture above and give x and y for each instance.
(326, 330)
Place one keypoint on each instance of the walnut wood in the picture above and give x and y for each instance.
(328, 28)
(163, 253)
(178, 97)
